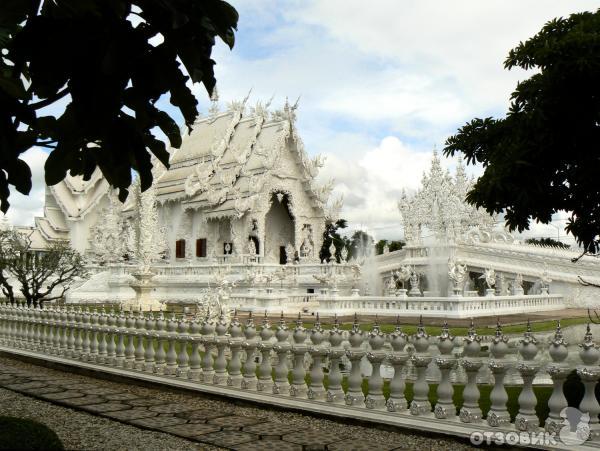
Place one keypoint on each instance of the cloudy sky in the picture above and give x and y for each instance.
(381, 84)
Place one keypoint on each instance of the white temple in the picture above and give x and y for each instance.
(442, 231)
(241, 184)
(238, 216)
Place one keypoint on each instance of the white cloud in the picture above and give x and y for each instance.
(373, 184)
(23, 208)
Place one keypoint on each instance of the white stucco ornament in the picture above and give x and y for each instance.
(489, 275)
(440, 207)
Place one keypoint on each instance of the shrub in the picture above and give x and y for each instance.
(21, 434)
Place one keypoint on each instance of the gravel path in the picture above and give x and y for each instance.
(80, 430)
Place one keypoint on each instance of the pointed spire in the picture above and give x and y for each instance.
(336, 323)
(355, 325)
(214, 98)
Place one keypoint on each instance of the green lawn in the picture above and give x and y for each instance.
(541, 326)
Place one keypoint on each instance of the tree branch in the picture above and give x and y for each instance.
(50, 100)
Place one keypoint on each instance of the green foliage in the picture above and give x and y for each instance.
(358, 244)
(332, 234)
(42, 276)
(543, 157)
(392, 245)
(111, 73)
(547, 242)
(17, 433)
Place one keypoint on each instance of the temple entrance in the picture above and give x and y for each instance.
(282, 256)
(279, 228)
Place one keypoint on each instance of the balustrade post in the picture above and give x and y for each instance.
(249, 345)
(265, 379)
(421, 360)
(161, 337)
(355, 396)
(129, 363)
(16, 325)
(32, 328)
(109, 332)
(299, 350)
(235, 345)
(102, 344)
(85, 346)
(282, 348)
(77, 330)
(221, 339)
(56, 326)
(24, 326)
(140, 350)
(64, 335)
(51, 328)
(121, 332)
(398, 358)
(316, 389)
(335, 393)
(70, 333)
(170, 368)
(10, 325)
(195, 362)
(183, 358)
(471, 362)
(7, 313)
(526, 419)
(446, 363)
(208, 339)
(558, 371)
(37, 333)
(148, 335)
(375, 398)
(93, 357)
(589, 373)
(498, 415)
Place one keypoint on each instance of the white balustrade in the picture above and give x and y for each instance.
(146, 347)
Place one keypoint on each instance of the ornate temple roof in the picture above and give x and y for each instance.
(439, 206)
(224, 163)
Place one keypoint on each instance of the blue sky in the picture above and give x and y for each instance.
(381, 84)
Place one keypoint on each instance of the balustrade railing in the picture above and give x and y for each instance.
(270, 365)
(449, 307)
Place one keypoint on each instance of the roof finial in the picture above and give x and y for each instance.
(214, 98)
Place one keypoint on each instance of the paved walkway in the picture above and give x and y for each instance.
(219, 424)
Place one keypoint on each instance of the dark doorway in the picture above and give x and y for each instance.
(282, 255)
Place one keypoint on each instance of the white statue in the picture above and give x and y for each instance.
(332, 251)
(490, 277)
(151, 243)
(344, 254)
(290, 253)
(457, 273)
(414, 280)
(390, 286)
(403, 274)
(251, 247)
(545, 280)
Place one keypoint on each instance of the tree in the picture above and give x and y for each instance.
(547, 242)
(360, 243)
(543, 156)
(39, 274)
(332, 234)
(105, 60)
(392, 246)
